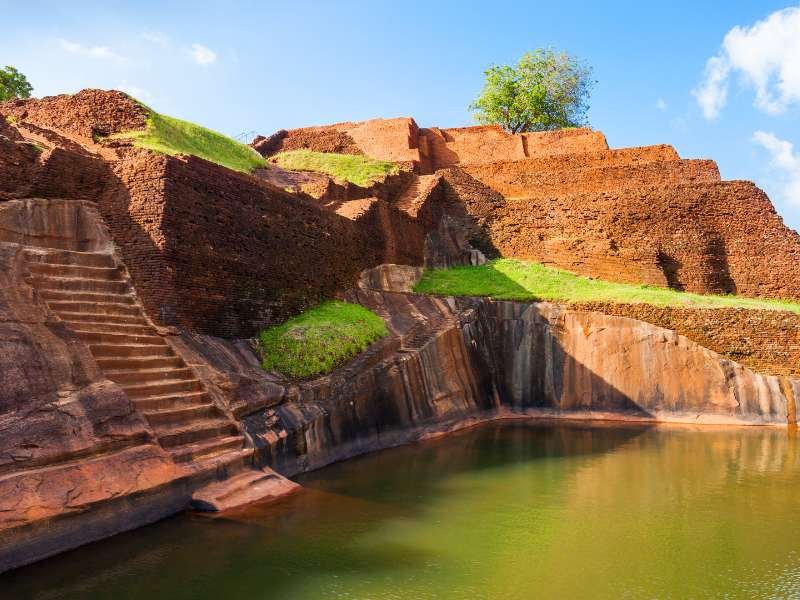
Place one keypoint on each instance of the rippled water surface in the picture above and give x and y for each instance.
(507, 511)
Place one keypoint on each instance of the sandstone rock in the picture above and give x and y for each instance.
(390, 278)
(257, 485)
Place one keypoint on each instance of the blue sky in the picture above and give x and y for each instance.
(260, 66)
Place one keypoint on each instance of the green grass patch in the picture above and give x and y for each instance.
(320, 339)
(354, 168)
(510, 279)
(172, 136)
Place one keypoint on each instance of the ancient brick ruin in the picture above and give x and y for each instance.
(133, 282)
(570, 201)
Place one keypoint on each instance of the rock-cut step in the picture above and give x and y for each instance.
(104, 337)
(161, 388)
(99, 317)
(45, 270)
(125, 349)
(105, 327)
(101, 337)
(108, 309)
(180, 434)
(166, 417)
(253, 485)
(208, 450)
(119, 363)
(71, 257)
(54, 297)
(142, 376)
(174, 401)
(80, 284)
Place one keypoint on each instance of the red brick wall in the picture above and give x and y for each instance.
(489, 143)
(703, 237)
(27, 171)
(65, 174)
(400, 140)
(564, 141)
(133, 207)
(561, 175)
(383, 139)
(18, 163)
(222, 253)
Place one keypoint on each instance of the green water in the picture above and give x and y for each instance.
(512, 511)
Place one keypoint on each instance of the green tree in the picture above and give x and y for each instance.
(13, 84)
(546, 90)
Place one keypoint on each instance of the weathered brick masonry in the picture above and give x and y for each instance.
(88, 115)
(609, 171)
(443, 148)
(720, 237)
(224, 253)
(631, 215)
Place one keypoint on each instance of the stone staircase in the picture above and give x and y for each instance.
(95, 298)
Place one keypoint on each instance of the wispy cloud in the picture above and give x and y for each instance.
(767, 57)
(661, 104)
(101, 52)
(712, 94)
(156, 37)
(202, 55)
(785, 162)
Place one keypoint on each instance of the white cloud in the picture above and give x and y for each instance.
(202, 55)
(661, 104)
(785, 161)
(156, 37)
(765, 55)
(135, 91)
(713, 92)
(103, 52)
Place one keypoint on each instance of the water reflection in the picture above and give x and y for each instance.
(511, 510)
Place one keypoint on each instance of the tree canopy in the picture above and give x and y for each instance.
(13, 84)
(546, 90)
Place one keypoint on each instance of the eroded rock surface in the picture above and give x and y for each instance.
(451, 363)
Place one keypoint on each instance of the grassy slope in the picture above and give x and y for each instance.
(320, 339)
(508, 279)
(173, 136)
(360, 170)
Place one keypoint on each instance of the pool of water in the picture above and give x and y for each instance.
(506, 511)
